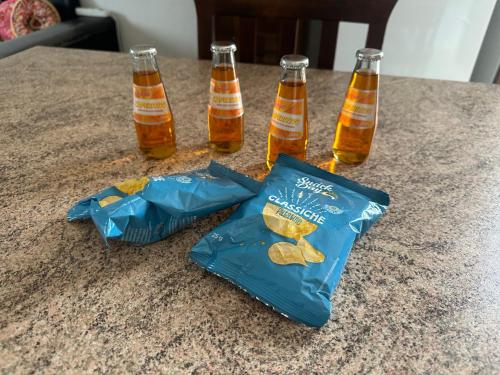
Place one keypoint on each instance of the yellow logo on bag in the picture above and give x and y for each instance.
(286, 223)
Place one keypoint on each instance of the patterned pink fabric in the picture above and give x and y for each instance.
(5, 12)
(21, 17)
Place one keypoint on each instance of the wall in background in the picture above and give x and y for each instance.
(168, 24)
(488, 60)
(430, 38)
(424, 38)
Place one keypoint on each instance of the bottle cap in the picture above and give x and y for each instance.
(370, 54)
(223, 46)
(142, 50)
(294, 62)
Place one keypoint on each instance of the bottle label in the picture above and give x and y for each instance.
(225, 99)
(150, 105)
(360, 108)
(287, 121)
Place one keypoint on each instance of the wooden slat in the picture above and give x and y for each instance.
(287, 29)
(375, 37)
(269, 34)
(247, 39)
(333, 10)
(327, 45)
(226, 27)
(300, 35)
(205, 27)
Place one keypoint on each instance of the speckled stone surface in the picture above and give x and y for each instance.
(421, 291)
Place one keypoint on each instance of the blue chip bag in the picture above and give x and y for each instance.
(288, 245)
(147, 209)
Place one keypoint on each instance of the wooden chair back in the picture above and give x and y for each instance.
(264, 30)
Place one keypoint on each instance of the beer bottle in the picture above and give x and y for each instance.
(288, 128)
(225, 107)
(154, 123)
(357, 120)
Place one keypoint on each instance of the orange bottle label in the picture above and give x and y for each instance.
(360, 108)
(225, 99)
(150, 105)
(287, 121)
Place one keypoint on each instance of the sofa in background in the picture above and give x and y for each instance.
(98, 33)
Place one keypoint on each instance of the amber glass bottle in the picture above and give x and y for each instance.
(225, 108)
(288, 128)
(154, 123)
(358, 118)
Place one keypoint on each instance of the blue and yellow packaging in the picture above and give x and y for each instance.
(147, 209)
(288, 245)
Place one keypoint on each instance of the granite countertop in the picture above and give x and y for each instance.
(421, 291)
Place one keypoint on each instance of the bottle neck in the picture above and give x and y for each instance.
(223, 59)
(293, 75)
(367, 66)
(144, 64)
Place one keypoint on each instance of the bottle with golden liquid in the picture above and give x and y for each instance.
(225, 108)
(358, 118)
(154, 123)
(288, 128)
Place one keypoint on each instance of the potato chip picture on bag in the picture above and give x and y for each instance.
(286, 223)
(309, 253)
(286, 253)
(288, 245)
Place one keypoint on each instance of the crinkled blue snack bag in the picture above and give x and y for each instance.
(288, 245)
(81, 210)
(146, 210)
